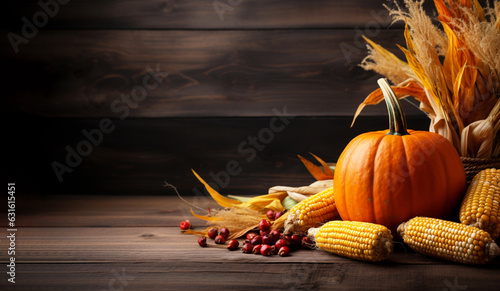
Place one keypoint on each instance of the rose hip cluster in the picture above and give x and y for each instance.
(219, 236)
(272, 242)
(267, 242)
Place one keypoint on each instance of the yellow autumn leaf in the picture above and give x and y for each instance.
(221, 200)
(402, 91)
(207, 218)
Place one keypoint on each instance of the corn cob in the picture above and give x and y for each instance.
(353, 239)
(448, 240)
(481, 202)
(311, 212)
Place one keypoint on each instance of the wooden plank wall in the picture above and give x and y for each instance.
(224, 69)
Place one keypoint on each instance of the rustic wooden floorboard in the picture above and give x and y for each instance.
(83, 257)
(108, 211)
(155, 245)
(207, 275)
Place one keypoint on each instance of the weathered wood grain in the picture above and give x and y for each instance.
(161, 258)
(141, 153)
(207, 275)
(196, 14)
(67, 73)
(108, 211)
(160, 244)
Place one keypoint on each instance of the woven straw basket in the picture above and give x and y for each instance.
(474, 165)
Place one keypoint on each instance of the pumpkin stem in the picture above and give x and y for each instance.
(397, 119)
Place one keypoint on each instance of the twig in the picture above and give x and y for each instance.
(166, 184)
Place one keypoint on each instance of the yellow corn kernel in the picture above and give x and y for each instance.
(353, 239)
(448, 240)
(480, 207)
(311, 212)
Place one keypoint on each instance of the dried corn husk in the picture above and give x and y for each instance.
(322, 183)
(300, 193)
(297, 197)
(304, 190)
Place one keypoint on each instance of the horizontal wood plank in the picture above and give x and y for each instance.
(140, 154)
(196, 14)
(108, 211)
(216, 14)
(65, 73)
(157, 244)
(281, 275)
(161, 258)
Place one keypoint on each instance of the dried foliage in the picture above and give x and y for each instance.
(452, 67)
(242, 214)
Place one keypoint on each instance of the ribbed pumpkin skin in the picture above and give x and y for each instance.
(388, 179)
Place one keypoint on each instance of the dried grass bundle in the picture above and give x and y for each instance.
(243, 214)
(452, 68)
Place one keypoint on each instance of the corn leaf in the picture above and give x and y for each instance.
(242, 199)
(326, 168)
(221, 200)
(268, 201)
(318, 173)
(289, 203)
(410, 89)
(207, 218)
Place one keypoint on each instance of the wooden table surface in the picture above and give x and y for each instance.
(134, 243)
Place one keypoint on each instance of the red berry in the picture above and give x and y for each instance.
(307, 243)
(264, 225)
(185, 225)
(280, 243)
(284, 251)
(224, 232)
(256, 249)
(271, 215)
(220, 239)
(233, 245)
(275, 234)
(267, 240)
(247, 248)
(265, 250)
(278, 215)
(263, 232)
(251, 235)
(213, 232)
(257, 240)
(296, 239)
(202, 241)
(274, 250)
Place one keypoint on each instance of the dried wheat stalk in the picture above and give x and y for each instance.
(452, 68)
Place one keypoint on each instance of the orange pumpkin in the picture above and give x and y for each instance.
(390, 176)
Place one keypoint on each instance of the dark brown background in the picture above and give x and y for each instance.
(225, 78)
